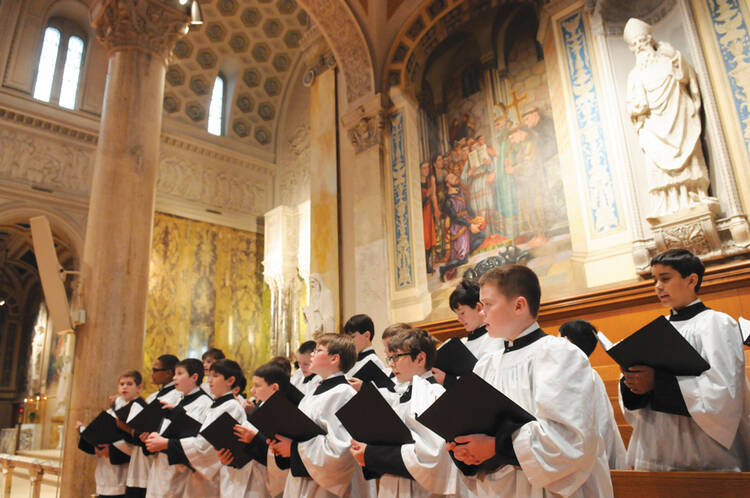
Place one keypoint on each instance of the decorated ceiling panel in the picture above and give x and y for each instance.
(253, 42)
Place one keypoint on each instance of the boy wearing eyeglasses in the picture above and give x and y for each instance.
(424, 467)
(322, 466)
(141, 461)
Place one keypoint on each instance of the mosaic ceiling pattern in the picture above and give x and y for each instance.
(260, 37)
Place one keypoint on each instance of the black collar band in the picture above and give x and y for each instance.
(687, 312)
(364, 354)
(477, 333)
(308, 378)
(330, 383)
(524, 341)
(191, 397)
(222, 399)
(164, 390)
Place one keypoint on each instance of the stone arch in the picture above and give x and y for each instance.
(344, 35)
(430, 25)
(63, 227)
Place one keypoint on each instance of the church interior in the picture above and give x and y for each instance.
(247, 174)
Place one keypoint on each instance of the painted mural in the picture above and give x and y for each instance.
(490, 176)
(206, 289)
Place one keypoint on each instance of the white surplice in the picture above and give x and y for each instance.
(715, 436)
(169, 481)
(140, 463)
(332, 469)
(605, 415)
(367, 354)
(561, 452)
(483, 345)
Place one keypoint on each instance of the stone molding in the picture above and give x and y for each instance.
(148, 25)
(55, 158)
(344, 35)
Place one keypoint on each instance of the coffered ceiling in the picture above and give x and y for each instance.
(255, 44)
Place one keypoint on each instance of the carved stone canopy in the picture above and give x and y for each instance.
(365, 123)
(150, 25)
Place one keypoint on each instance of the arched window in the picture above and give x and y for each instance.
(216, 109)
(60, 62)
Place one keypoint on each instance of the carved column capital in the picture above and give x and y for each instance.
(149, 25)
(365, 123)
(323, 63)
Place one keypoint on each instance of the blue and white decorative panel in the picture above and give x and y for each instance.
(404, 264)
(732, 36)
(600, 182)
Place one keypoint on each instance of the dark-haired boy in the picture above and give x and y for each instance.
(464, 301)
(112, 462)
(208, 357)
(167, 479)
(210, 477)
(689, 422)
(302, 378)
(139, 469)
(362, 331)
(583, 334)
(561, 452)
(323, 466)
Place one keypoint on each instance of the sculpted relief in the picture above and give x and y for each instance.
(294, 175)
(66, 167)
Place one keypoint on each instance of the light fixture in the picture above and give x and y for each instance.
(2, 302)
(196, 14)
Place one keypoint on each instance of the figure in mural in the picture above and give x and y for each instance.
(663, 102)
(465, 228)
(476, 176)
(319, 314)
(430, 211)
(542, 133)
(506, 200)
(521, 163)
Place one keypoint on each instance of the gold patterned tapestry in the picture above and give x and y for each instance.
(205, 289)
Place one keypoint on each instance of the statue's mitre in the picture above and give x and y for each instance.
(634, 29)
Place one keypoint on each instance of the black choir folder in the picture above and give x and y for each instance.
(744, 324)
(279, 416)
(149, 419)
(454, 358)
(102, 430)
(370, 372)
(220, 433)
(370, 419)
(471, 406)
(181, 424)
(658, 345)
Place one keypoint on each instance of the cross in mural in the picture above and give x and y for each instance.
(516, 104)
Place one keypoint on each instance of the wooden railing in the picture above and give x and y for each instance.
(637, 484)
(37, 469)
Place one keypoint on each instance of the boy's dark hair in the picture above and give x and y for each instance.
(227, 368)
(272, 373)
(396, 328)
(215, 353)
(360, 323)
(168, 361)
(513, 281)
(306, 347)
(682, 260)
(342, 345)
(415, 341)
(283, 363)
(466, 293)
(241, 384)
(133, 374)
(581, 333)
(192, 366)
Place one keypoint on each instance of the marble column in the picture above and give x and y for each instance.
(138, 35)
(324, 215)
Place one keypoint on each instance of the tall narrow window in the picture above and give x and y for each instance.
(60, 64)
(216, 109)
(47, 62)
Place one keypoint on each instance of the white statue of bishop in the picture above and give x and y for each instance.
(663, 102)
